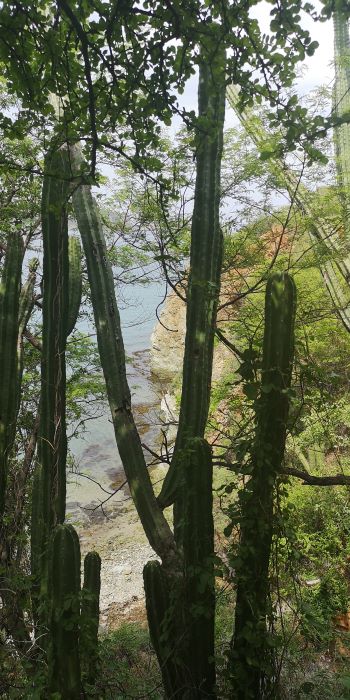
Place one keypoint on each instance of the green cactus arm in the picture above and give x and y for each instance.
(26, 304)
(278, 346)
(74, 282)
(36, 543)
(198, 548)
(92, 581)
(205, 265)
(257, 498)
(90, 611)
(64, 578)
(181, 611)
(164, 614)
(112, 354)
(52, 435)
(9, 310)
(341, 107)
(26, 300)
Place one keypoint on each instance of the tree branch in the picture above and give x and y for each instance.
(33, 340)
(311, 480)
(228, 343)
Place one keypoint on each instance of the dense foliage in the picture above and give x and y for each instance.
(93, 83)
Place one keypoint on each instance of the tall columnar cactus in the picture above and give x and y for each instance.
(72, 615)
(203, 294)
(40, 529)
(90, 615)
(49, 492)
(74, 282)
(251, 653)
(46, 491)
(205, 262)
(185, 615)
(199, 582)
(10, 287)
(64, 585)
(181, 610)
(112, 354)
(26, 303)
(164, 603)
(52, 437)
(341, 106)
(335, 272)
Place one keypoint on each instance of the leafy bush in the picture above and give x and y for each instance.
(128, 665)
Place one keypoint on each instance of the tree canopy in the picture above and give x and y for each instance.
(118, 68)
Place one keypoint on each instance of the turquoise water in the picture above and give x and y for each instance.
(139, 317)
(96, 453)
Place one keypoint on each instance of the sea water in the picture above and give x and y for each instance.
(97, 467)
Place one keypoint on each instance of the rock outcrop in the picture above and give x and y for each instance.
(168, 343)
(168, 339)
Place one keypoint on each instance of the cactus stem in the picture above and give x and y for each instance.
(205, 265)
(257, 498)
(112, 354)
(9, 322)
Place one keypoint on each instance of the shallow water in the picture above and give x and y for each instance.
(96, 453)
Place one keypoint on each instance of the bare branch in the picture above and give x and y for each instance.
(33, 340)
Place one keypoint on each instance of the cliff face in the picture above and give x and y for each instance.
(168, 339)
(168, 343)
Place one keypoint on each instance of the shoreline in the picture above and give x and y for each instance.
(119, 538)
(124, 550)
(115, 531)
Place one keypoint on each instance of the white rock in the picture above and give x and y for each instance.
(169, 409)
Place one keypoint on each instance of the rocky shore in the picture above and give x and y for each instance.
(117, 535)
(115, 532)
(124, 550)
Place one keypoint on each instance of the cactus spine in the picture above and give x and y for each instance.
(90, 615)
(250, 635)
(9, 321)
(64, 662)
